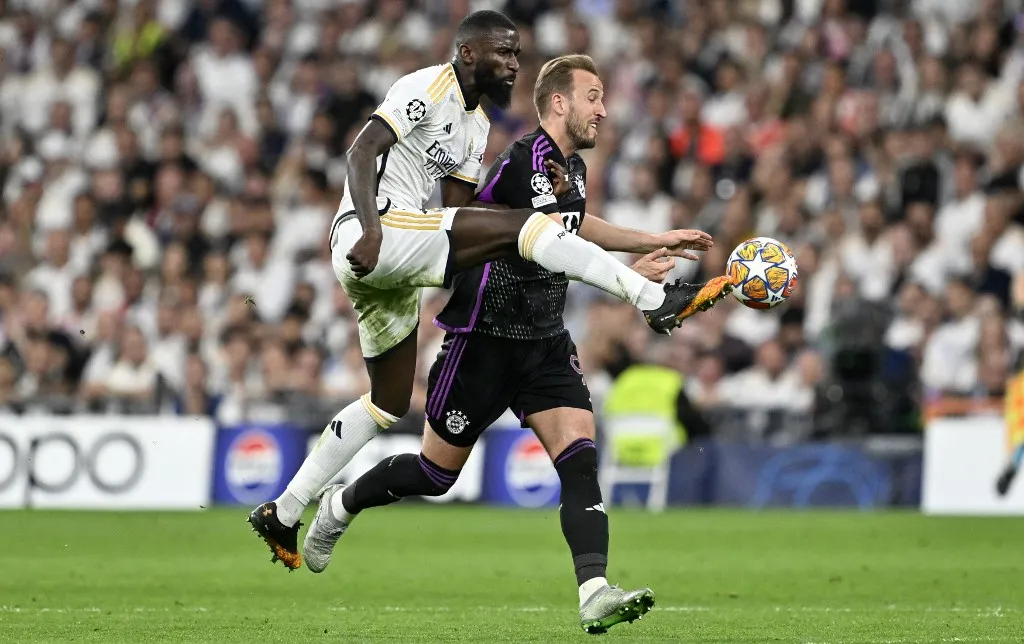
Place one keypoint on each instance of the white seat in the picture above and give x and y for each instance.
(613, 472)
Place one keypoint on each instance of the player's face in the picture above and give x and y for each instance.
(497, 66)
(586, 109)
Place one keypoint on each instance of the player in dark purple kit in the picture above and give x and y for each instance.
(507, 348)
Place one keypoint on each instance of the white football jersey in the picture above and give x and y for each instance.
(437, 137)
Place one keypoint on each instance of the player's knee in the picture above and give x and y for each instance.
(436, 480)
(399, 409)
(393, 405)
(578, 460)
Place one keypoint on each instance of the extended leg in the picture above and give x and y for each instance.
(480, 235)
(391, 382)
(568, 437)
(430, 473)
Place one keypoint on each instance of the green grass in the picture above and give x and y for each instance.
(420, 573)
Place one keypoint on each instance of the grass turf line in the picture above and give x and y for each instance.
(418, 573)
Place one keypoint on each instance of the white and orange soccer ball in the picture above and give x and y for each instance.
(763, 272)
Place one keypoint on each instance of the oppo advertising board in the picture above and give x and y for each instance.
(962, 459)
(106, 462)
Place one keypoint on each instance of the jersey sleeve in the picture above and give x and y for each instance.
(407, 104)
(520, 181)
(469, 171)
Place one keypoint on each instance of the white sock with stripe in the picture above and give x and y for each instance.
(353, 427)
(545, 242)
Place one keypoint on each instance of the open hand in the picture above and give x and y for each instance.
(679, 242)
(655, 266)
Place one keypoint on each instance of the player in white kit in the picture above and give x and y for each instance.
(386, 247)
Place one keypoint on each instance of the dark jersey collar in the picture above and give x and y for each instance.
(556, 153)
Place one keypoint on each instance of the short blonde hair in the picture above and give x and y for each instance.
(555, 77)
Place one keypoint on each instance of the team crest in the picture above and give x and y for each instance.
(415, 110)
(541, 184)
(456, 422)
(580, 186)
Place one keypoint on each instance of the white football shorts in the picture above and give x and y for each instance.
(414, 252)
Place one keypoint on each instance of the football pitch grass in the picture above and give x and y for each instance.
(418, 573)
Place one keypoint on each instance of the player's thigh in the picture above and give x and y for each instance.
(481, 235)
(560, 427)
(554, 399)
(385, 316)
(442, 453)
(468, 388)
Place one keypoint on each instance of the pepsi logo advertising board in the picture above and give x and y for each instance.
(518, 471)
(254, 463)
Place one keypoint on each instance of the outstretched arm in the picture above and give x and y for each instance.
(616, 238)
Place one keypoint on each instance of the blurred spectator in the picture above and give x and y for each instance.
(170, 170)
(768, 384)
(133, 379)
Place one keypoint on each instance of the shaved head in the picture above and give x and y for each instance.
(481, 25)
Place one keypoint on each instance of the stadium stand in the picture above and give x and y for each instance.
(170, 167)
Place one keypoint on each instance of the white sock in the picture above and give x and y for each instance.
(543, 241)
(356, 426)
(338, 510)
(591, 586)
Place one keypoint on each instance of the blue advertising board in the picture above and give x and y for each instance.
(518, 471)
(254, 463)
(798, 476)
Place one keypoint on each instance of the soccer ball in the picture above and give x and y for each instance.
(763, 272)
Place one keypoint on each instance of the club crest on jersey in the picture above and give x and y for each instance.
(541, 184)
(580, 186)
(456, 422)
(415, 110)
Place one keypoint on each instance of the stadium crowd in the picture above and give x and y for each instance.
(170, 167)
